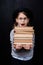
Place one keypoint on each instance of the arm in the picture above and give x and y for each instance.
(19, 46)
(11, 35)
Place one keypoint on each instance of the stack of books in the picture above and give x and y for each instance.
(23, 35)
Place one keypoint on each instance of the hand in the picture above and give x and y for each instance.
(27, 46)
(18, 46)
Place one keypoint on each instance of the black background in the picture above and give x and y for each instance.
(6, 10)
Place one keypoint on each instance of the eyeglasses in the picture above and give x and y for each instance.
(25, 18)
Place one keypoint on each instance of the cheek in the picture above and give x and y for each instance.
(26, 22)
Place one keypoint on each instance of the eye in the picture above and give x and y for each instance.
(25, 18)
(20, 18)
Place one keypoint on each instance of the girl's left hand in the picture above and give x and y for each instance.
(27, 46)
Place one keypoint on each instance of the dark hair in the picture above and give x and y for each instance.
(26, 12)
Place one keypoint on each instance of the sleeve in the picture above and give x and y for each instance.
(11, 36)
(33, 39)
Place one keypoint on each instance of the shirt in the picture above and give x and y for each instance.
(21, 55)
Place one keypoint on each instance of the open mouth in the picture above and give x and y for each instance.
(22, 24)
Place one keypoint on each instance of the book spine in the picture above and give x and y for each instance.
(22, 35)
(21, 43)
(23, 40)
(23, 32)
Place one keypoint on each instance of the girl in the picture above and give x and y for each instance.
(22, 18)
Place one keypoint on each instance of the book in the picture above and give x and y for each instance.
(25, 29)
(23, 35)
(24, 32)
(23, 41)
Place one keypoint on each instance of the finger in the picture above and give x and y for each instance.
(27, 46)
(31, 45)
(18, 46)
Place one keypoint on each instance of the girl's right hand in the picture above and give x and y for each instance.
(18, 46)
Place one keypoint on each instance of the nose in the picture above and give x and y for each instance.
(23, 20)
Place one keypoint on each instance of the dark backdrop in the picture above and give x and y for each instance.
(6, 10)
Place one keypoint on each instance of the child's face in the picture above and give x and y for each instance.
(22, 20)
